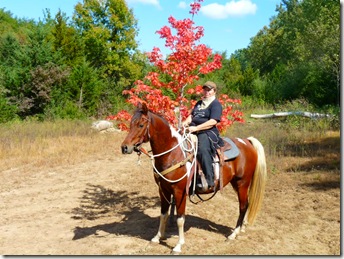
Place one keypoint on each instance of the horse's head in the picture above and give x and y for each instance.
(138, 133)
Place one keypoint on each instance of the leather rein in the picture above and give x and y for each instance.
(192, 156)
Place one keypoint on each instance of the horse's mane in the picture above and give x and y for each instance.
(159, 115)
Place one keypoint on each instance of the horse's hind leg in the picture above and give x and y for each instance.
(243, 205)
(180, 200)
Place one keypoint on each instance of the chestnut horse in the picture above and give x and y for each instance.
(246, 172)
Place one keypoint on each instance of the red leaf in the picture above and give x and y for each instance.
(181, 68)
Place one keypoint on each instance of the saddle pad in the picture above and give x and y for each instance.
(233, 152)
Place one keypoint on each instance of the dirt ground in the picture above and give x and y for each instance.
(107, 204)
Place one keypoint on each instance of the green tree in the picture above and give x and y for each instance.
(86, 87)
(66, 39)
(44, 69)
(229, 76)
(302, 42)
(246, 85)
(108, 28)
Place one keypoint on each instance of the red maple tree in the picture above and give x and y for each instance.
(170, 90)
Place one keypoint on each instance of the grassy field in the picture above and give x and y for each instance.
(47, 143)
(292, 136)
(55, 174)
(59, 142)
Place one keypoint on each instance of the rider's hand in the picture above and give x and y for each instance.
(185, 124)
(192, 129)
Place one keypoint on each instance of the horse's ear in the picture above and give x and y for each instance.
(144, 108)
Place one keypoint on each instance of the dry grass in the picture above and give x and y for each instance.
(72, 188)
(68, 142)
(300, 149)
(48, 143)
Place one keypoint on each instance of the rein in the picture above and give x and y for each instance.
(174, 167)
(186, 136)
(192, 151)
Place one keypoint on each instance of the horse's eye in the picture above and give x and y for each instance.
(141, 125)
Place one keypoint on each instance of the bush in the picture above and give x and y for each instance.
(7, 112)
(65, 110)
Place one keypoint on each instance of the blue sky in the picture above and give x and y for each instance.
(228, 24)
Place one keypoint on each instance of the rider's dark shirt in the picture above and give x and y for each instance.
(199, 116)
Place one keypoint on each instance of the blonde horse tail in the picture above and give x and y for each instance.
(257, 188)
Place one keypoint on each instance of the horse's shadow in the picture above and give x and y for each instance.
(98, 202)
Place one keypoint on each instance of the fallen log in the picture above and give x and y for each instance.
(312, 115)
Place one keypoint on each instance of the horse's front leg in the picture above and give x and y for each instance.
(165, 204)
(162, 228)
(180, 223)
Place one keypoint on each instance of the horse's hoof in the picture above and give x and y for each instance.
(175, 252)
(155, 240)
(230, 238)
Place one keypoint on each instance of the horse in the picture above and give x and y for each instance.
(247, 172)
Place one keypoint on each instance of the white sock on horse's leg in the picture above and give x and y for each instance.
(235, 232)
(181, 241)
(162, 229)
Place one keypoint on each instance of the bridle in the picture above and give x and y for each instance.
(137, 146)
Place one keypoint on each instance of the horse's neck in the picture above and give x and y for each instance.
(162, 138)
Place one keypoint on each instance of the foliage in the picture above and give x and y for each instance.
(178, 73)
(57, 62)
(298, 54)
(8, 111)
(64, 109)
(79, 66)
(108, 29)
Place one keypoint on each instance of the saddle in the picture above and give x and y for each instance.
(228, 152)
(221, 152)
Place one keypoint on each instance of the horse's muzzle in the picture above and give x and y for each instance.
(126, 149)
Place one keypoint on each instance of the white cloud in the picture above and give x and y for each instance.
(182, 5)
(215, 10)
(148, 2)
(232, 8)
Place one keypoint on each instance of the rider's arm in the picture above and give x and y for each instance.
(204, 126)
(187, 121)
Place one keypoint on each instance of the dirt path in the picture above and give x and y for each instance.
(110, 206)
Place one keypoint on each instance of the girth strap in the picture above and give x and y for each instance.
(168, 170)
(174, 167)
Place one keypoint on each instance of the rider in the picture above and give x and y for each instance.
(202, 122)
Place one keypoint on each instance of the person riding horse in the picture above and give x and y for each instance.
(202, 122)
(246, 173)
